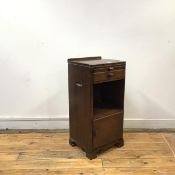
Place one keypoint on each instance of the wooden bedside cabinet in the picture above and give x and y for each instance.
(96, 103)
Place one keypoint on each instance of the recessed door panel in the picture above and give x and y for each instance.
(108, 129)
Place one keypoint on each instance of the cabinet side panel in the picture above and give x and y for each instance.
(80, 105)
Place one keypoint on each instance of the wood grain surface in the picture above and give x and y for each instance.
(50, 154)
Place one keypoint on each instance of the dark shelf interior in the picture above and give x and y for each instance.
(108, 98)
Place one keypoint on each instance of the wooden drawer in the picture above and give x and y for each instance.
(109, 68)
(108, 129)
(108, 75)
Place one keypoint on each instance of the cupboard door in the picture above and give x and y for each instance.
(108, 130)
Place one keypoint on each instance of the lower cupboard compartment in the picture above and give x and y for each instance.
(108, 129)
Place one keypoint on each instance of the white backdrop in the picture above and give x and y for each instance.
(37, 36)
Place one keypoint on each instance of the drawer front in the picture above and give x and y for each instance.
(109, 68)
(108, 130)
(103, 76)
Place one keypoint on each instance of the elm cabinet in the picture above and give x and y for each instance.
(96, 103)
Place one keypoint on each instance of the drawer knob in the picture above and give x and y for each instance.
(110, 68)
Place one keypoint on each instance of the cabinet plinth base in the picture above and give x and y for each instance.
(72, 143)
(119, 143)
(91, 155)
